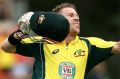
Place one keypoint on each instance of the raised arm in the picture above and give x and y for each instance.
(9, 45)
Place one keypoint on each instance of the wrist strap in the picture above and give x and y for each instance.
(12, 40)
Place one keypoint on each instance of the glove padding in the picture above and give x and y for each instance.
(24, 22)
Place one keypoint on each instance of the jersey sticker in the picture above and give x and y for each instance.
(67, 70)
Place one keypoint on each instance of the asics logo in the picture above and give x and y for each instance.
(55, 51)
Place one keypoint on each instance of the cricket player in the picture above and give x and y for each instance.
(58, 51)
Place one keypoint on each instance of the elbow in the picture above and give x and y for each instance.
(7, 50)
(4, 49)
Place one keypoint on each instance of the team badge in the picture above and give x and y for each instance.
(41, 19)
(67, 70)
(79, 52)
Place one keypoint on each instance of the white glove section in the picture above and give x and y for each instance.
(24, 22)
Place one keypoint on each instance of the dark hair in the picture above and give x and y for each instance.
(63, 5)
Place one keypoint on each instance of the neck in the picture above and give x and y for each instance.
(69, 38)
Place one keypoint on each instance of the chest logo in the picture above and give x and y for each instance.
(67, 70)
(55, 51)
(79, 52)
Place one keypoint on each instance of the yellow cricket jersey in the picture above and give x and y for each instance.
(58, 61)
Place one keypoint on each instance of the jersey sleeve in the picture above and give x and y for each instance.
(99, 50)
(30, 50)
(100, 42)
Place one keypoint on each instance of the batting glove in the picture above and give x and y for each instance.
(24, 22)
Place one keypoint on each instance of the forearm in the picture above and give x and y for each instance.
(9, 45)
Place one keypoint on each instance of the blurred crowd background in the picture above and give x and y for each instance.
(99, 18)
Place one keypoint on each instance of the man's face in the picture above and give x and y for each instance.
(73, 19)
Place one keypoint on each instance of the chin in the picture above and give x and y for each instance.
(78, 31)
